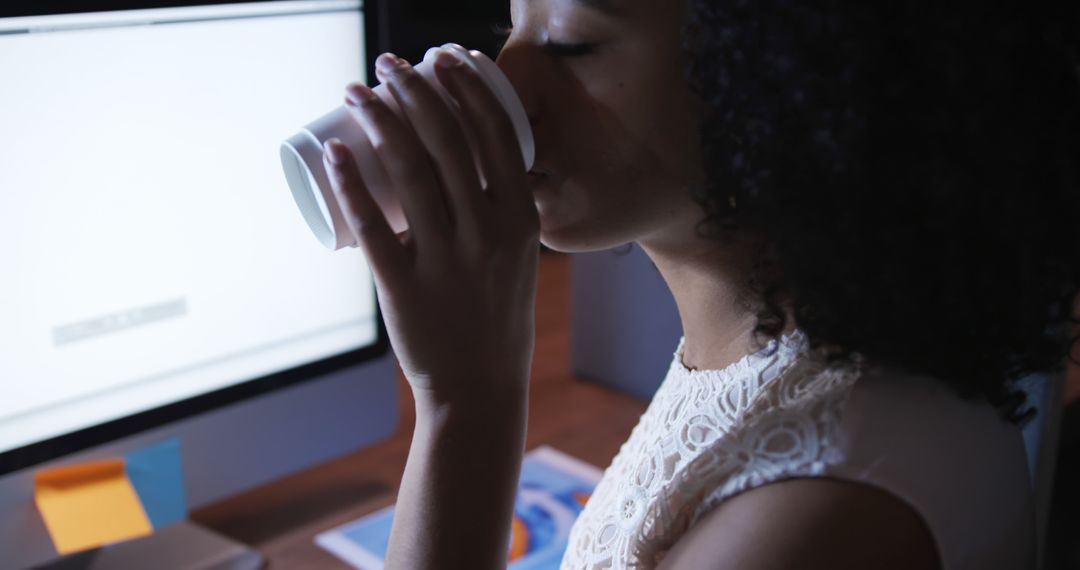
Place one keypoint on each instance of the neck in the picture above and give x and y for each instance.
(709, 287)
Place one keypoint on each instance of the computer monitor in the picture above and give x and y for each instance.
(158, 280)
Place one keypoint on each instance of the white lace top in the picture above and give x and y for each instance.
(708, 435)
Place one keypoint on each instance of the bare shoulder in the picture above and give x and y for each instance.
(808, 523)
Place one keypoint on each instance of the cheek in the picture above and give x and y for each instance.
(633, 124)
(623, 163)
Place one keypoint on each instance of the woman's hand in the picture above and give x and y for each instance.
(458, 289)
(458, 293)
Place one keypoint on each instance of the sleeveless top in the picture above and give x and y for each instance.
(781, 413)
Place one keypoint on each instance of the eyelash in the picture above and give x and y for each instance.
(551, 48)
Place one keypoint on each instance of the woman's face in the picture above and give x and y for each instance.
(615, 123)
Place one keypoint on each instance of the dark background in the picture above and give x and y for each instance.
(412, 26)
(1063, 530)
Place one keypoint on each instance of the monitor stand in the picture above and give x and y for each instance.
(181, 545)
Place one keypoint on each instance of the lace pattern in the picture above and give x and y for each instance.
(705, 436)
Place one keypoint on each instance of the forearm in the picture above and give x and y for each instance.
(456, 500)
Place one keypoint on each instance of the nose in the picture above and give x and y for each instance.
(521, 69)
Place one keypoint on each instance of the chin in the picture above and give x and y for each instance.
(578, 238)
(576, 218)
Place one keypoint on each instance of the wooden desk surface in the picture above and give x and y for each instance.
(587, 421)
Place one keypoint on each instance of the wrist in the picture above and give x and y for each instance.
(493, 416)
(473, 398)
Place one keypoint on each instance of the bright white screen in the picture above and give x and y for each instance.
(151, 249)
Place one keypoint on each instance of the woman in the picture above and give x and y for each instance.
(862, 213)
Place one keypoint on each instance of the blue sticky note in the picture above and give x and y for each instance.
(156, 474)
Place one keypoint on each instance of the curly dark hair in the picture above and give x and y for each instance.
(912, 170)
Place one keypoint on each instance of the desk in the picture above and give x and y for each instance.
(587, 421)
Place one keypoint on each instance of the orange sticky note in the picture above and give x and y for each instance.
(89, 504)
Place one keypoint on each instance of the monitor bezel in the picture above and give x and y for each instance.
(52, 448)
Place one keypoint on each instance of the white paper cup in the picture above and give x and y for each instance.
(302, 160)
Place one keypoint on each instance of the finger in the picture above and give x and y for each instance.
(497, 144)
(407, 166)
(362, 215)
(444, 139)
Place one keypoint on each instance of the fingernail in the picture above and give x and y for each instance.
(389, 63)
(357, 94)
(334, 151)
(447, 59)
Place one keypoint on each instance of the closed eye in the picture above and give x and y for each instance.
(556, 49)
(568, 50)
